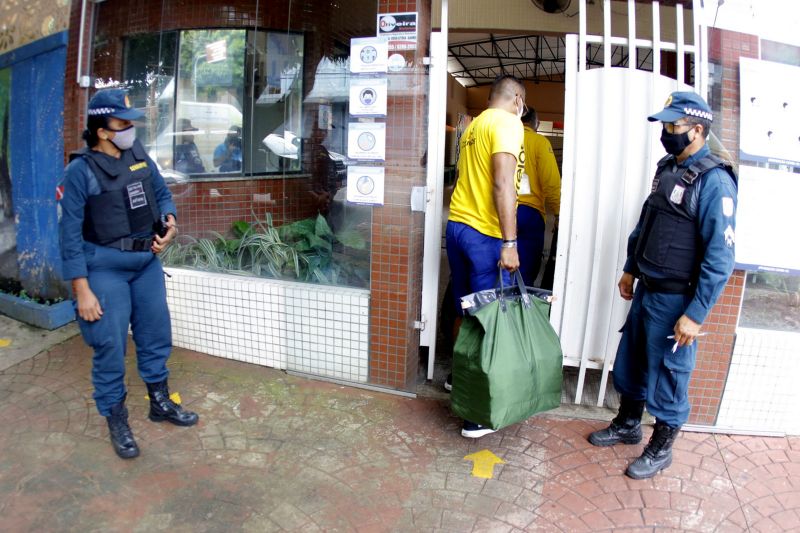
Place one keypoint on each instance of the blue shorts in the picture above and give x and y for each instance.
(473, 259)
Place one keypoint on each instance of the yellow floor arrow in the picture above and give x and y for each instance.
(5, 342)
(483, 463)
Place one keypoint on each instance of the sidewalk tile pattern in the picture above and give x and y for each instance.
(274, 452)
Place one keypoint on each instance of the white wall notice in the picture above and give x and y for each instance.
(365, 185)
(368, 96)
(766, 220)
(368, 55)
(366, 140)
(769, 112)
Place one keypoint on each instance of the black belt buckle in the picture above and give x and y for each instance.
(669, 286)
(142, 245)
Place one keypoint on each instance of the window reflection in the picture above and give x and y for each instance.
(228, 103)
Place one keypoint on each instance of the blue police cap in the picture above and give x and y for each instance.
(682, 104)
(113, 103)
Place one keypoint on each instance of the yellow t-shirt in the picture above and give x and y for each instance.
(543, 176)
(493, 131)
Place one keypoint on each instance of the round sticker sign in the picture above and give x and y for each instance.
(369, 54)
(366, 141)
(365, 185)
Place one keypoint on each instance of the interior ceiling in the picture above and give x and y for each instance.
(478, 58)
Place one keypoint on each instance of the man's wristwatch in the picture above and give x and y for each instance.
(511, 243)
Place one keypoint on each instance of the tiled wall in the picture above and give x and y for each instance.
(714, 351)
(762, 393)
(396, 233)
(297, 326)
(211, 206)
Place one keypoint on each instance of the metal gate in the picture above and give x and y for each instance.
(610, 152)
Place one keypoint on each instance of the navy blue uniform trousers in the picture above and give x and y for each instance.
(530, 242)
(645, 367)
(131, 290)
(473, 259)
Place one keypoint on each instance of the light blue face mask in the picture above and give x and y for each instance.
(123, 139)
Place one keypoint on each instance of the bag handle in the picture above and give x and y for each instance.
(517, 279)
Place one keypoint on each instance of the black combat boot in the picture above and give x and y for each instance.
(120, 432)
(626, 428)
(163, 408)
(657, 454)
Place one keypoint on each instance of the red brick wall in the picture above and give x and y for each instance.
(397, 233)
(714, 351)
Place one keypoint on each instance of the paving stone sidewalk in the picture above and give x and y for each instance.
(275, 452)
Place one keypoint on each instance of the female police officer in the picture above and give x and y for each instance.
(113, 201)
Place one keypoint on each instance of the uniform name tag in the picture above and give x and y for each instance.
(524, 184)
(677, 195)
(137, 166)
(136, 195)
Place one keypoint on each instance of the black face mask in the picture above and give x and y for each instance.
(675, 143)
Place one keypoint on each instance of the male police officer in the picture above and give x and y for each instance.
(682, 252)
(112, 201)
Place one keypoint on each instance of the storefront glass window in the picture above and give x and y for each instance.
(250, 131)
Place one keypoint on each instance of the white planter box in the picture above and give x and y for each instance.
(316, 329)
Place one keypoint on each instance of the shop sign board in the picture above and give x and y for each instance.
(365, 184)
(399, 30)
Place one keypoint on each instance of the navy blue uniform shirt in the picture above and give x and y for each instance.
(78, 184)
(716, 219)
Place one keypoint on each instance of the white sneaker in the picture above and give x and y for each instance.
(472, 430)
(448, 383)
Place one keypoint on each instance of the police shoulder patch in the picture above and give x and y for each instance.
(727, 206)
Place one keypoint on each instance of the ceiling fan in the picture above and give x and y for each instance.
(552, 6)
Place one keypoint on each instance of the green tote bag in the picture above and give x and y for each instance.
(507, 358)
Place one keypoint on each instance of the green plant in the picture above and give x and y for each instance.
(305, 250)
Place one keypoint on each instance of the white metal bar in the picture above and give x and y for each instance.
(432, 254)
(701, 49)
(656, 40)
(582, 36)
(606, 33)
(631, 35)
(601, 395)
(79, 68)
(623, 41)
(571, 360)
(571, 67)
(679, 41)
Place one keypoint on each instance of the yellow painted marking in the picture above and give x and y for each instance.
(175, 397)
(483, 463)
(5, 342)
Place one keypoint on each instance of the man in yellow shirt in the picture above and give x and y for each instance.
(540, 188)
(482, 226)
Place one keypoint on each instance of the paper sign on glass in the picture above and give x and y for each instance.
(366, 140)
(368, 54)
(368, 97)
(365, 185)
(399, 30)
